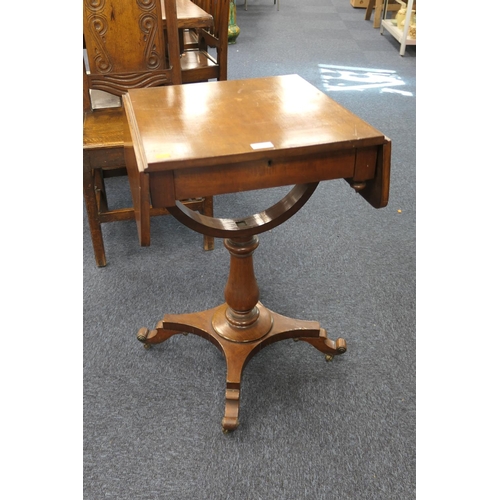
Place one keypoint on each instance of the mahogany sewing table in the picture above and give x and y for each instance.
(232, 136)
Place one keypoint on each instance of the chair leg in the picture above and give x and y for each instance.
(93, 212)
(93, 180)
(100, 188)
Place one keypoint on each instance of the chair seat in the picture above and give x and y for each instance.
(103, 139)
(104, 128)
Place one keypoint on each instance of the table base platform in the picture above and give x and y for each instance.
(242, 326)
(268, 327)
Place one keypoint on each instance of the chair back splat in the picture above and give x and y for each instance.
(127, 45)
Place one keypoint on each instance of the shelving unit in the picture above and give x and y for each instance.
(400, 35)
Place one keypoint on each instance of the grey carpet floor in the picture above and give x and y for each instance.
(309, 429)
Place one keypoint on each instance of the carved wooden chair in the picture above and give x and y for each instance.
(205, 49)
(126, 48)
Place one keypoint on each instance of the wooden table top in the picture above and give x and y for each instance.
(219, 122)
(225, 135)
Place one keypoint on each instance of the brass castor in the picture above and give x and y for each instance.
(142, 334)
(328, 357)
(229, 431)
(229, 425)
(341, 346)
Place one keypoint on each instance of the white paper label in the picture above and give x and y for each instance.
(262, 145)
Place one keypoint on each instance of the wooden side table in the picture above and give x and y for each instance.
(233, 136)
